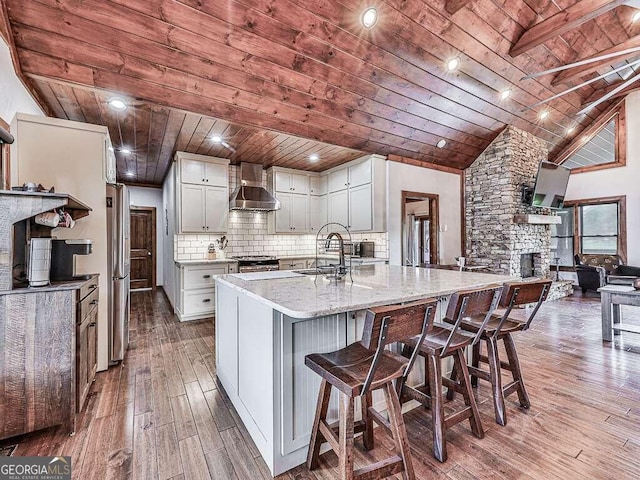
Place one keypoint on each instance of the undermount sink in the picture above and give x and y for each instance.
(310, 271)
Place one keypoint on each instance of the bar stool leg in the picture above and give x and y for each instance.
(399, 431)
(367, 435)
(437, 407)
(496, 381)
(321, 414)
(475, 361)
(454, 378)
(467, 393)
(514, 363)
(345, 450)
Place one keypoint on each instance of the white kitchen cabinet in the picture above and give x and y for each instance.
(197, 289)
(317, 212)
(210, 171)
(318, 185)
(217, 209)
(360, 208)
(293, 214)
(192, 213)
(357, 195)
(338, 180)
(338, 207)
(286, 181)
(299, 264)
(203, 193)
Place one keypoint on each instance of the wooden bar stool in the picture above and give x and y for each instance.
(500, 327)
(444, 341)
(358, 370)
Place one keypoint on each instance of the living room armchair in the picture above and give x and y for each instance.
(594, 270)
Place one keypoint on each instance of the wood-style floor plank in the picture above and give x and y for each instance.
(162, 415)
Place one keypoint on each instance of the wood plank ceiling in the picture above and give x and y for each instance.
(260, 71)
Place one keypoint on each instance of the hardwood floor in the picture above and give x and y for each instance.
(162, 416)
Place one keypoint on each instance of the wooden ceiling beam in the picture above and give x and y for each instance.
(453, 6)
(562, 22)
(576, 73)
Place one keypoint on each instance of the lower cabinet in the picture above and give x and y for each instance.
(86, 341)
(198, 289)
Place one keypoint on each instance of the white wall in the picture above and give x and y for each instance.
(152, 197)
(618, 181)
(417, 179)
(14, 97)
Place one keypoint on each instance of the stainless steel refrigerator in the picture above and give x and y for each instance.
(119, 258)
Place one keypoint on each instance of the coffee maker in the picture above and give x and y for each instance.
(63, 258)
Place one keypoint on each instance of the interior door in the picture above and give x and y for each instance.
(143, 247)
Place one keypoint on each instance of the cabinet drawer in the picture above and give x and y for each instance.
(202, 276)
(199, 301)
(87, 304)
(88, 287)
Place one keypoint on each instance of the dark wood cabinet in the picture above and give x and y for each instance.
(86, 342)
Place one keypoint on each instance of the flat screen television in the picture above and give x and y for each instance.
(551, 186)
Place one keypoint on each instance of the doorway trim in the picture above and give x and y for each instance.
(154, 245)
(434, 225)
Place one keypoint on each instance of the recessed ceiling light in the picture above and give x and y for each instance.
(131, 174)
(504, 94)
(636, 17)
(118, 104)
(441, 143)
(369, 17)
(453, 64)
(126, 151)
(216, 139)
(314, 157)
(570, 130)
(544, 114)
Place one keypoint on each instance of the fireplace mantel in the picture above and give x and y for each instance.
(533, 219)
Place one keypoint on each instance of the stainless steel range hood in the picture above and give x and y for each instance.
(250, 194)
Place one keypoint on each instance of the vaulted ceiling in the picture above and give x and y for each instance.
(280, 79)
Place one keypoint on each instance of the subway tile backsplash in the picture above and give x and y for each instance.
(247, 235)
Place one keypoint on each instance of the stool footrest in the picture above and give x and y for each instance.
(384, 468)
(329, 435)
(380, 420)
(510, 388)
(458, 417)
(476, 372)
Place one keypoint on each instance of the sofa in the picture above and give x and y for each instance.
(594, 270)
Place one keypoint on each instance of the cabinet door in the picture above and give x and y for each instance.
(360, 208)
(360, 174)
(338, 209)
(283, 216)
(192, 209)
(217, 209)
(338, 180)
(299, 213)
(317, 213)
(318, 185)
(217, 175)
(299, 183)
(192, 171)
(282, 181)
(92, 346)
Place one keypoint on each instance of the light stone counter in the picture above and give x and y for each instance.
(374, 285)
(181, 263)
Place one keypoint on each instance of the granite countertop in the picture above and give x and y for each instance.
(332, 257)
(204, 261)
(374, 285)
(52, 287)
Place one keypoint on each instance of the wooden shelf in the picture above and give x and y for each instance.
(538, 219)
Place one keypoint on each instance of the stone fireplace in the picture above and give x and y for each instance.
(493, 198)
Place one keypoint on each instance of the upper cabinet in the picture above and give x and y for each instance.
(202, 193)
(288, 182)
(357, 196)
(318, 185)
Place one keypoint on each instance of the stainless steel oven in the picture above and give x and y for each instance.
(258, 263)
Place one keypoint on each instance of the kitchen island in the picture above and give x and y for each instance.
(266, 322)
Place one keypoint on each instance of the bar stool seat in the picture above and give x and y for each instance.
(436, 341)
(358, 370)
(510, 325)
(347, 369)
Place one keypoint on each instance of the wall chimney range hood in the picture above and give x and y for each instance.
(250, 194)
